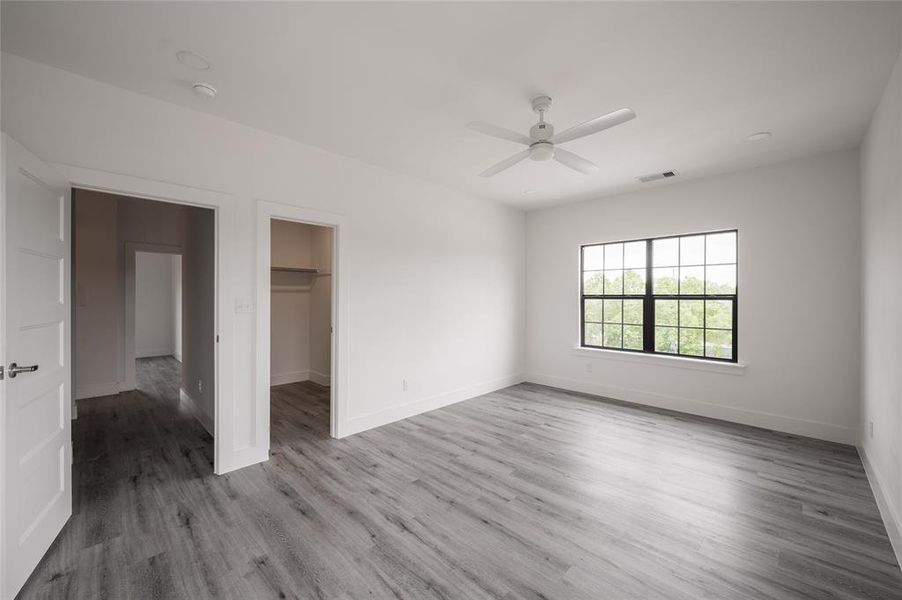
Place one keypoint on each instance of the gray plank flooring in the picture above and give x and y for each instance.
(529, 492)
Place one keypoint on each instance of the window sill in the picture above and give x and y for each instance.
(677, 362)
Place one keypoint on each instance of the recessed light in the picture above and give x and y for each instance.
(192, 60)
(204, 90)
(759, 137)
(529, 192)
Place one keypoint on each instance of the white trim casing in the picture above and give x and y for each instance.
(288, 377)
(95, 390)
(190, 405)
(226, 457)
(320, 378)
(804, 427)
(891, 520)
(266, 211)
(662, 360)
(396, 413)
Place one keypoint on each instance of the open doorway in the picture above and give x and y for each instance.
(143, 343)
(157, 301)
(301, 259)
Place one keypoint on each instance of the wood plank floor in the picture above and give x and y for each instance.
(528, 492)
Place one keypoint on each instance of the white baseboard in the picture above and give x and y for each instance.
(888, 513)
(289, 377)
(153, 352)
(192, 407)
(807, 428)
(95, 390)
(320, 378)
(417, 407)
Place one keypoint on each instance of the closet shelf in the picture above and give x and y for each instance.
(294, 269)
(294, 279)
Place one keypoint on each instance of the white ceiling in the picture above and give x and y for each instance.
(395, 84)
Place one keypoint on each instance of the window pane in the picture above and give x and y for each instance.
(720, 248)
(692, 280)
(666, 339)
(634, 281)
(719, 343)
(666, 312)
(593, 282)
(593, 310)
(719, 313)
(613, 282)
(632, 337)
(613, 256)
(634, 255)
(593, 258)
(665, 280)
(692, 250)
(721, 279)
(692, 313)
(593, 334)
(665, 253)
(613, 311)
(691, 341)
(693, 287)
(613, 335)
(632, 312)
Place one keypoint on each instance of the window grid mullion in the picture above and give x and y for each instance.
(649, 299)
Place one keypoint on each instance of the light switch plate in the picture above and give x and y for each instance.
(244, 306)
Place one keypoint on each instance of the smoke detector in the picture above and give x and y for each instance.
(205, 90)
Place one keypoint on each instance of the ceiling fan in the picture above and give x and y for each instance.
(542, 142)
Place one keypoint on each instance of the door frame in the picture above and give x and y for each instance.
(338, 372)
(130, 352)
(225, 458)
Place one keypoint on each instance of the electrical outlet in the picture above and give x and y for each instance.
(200, 386)
(588, 367)
(404, 385)
(871, 429)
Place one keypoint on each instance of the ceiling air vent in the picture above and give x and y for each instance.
(657, 176)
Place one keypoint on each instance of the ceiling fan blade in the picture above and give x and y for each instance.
(595, 125)
(505, 164)
(577, 163)
(499, 132)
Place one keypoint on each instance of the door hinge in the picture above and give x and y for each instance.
(217, 338)
(2, 371)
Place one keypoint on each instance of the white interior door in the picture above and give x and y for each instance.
(36, 498)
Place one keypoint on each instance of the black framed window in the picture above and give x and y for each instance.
(669, 295)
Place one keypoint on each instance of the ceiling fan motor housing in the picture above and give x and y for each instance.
(541, 151)
(541, 131)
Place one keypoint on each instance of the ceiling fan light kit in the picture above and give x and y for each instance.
(542, 142)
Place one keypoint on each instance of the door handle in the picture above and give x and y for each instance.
(15, 369)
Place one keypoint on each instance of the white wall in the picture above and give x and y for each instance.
(435, 278)
(198, 315)
(291, 244)
(154, 305)
(881, 221)
(177, 306)
(98, 297)
(798, 296)
(321, 307)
